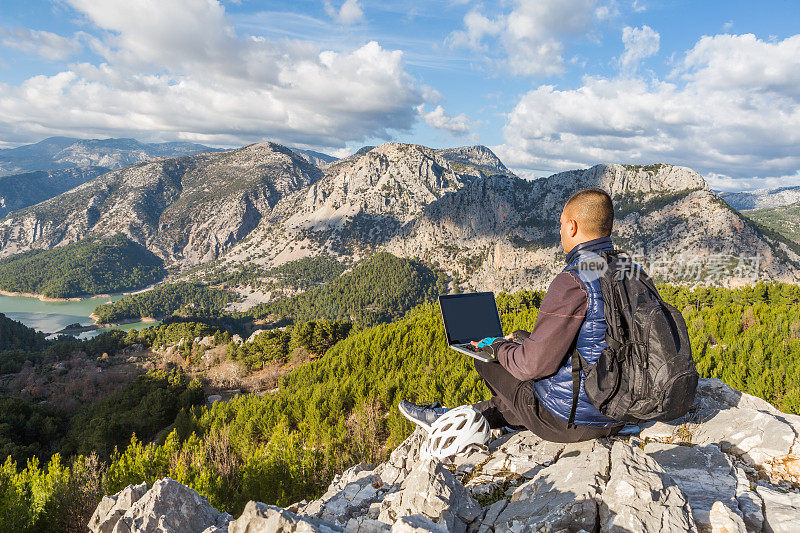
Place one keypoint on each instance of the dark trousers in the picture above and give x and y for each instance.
(513, 403)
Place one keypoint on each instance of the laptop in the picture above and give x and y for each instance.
(470, 317)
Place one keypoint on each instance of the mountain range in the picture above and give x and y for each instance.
(36, 172)
(461, 209)
(67, 152)
(762, 198)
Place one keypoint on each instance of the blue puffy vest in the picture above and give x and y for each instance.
(555, 392)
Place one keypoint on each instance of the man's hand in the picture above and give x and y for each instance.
(476, 344)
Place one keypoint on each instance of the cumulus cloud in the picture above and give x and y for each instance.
(731, 107)
(348, 13)
(438, 118)
(199, 80)
(640, 43)
(531, 35)
(42, 43)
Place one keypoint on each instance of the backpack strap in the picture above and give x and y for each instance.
(576, 386)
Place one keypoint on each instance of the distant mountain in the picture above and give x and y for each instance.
(762, 198)
(21, 190)
(315, 158)
(66, 152)
(187, 210)
(460, 209)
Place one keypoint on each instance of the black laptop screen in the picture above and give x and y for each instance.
(470, 317)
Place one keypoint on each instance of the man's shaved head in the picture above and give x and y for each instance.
(593, 210)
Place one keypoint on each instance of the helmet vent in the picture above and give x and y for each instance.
(449, 441)
(462, 424)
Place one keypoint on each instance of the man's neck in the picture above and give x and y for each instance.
(591, 245)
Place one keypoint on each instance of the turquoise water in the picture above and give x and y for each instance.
(50, 317)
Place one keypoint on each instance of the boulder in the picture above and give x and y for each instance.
(112, 508)
(723, 520)
(170, 507)
(432, 491)
(348, 496)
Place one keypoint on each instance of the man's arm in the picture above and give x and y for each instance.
(561, 315)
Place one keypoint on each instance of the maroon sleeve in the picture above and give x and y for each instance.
(561, 315)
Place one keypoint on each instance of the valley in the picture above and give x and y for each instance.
(280, 304)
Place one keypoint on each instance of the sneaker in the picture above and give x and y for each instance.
(422, 415)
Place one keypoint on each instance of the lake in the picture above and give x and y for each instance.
(50, 317)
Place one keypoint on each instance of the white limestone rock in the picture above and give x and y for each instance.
(564, 495)
(640, 496)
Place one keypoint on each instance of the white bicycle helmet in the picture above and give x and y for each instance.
(454, 432)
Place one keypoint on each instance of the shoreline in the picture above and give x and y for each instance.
(43, 298)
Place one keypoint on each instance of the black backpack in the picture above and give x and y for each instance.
(647, 371)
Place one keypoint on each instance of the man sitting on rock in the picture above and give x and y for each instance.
(531, 382)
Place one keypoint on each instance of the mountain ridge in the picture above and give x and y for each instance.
(762, 198)
(460, 208)
(66, 152)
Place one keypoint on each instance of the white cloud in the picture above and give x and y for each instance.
(438, 118)
(638, 7)
(42, 43)
(198, 80)
(640, 43)
(731, 107)
(532, 34)
(348, 13)
(722, 182)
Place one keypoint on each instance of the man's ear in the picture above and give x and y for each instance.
(572, 227)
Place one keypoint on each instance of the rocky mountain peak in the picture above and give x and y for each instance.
(393, 180)
(625, 180)
(478, 155)
(732, 464)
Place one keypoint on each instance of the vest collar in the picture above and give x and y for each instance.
(595, 245)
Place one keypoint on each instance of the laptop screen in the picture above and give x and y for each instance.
(470, 317)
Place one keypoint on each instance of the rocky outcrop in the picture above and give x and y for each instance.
(168, 506)
(694, 474)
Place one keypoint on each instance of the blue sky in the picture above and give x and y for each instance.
(548, 84)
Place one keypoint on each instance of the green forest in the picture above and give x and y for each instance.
(162, 301)
(91, 266)
(380, 288)
(784, 220)
(338, 409)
